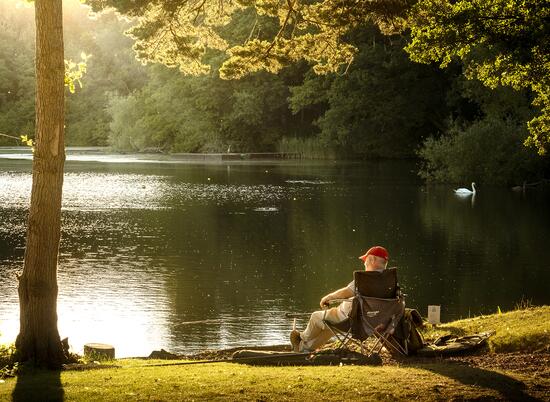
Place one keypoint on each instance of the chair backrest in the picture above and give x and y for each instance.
(380, 284)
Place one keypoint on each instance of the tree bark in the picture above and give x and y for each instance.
(38, 338)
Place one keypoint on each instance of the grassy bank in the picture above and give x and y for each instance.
(423, 379)
(524, 330)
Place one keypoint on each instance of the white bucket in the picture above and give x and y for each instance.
(434, 314)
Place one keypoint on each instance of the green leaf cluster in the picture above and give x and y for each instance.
(75, 71)
(178, 33)
(499, 42)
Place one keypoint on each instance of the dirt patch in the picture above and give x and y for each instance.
(532, 364)
(537, 364)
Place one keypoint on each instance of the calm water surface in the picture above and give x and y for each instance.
(187, 256)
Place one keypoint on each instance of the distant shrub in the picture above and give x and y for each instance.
(489, 151)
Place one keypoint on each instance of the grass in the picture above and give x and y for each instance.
(226, 381)
(431, 379)
(522, 330)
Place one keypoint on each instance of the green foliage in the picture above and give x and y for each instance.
(111, 69)
(8, 368)
(487, 151)
(382, 106)
(499, 42)
(16, 72)
(150, 119)
(210, 114)
(178, 34)
(75, 71)
(312, 31)
(484, 142)
(25, 140)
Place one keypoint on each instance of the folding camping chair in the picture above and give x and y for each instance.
(376, 310)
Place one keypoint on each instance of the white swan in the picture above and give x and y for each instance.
(466, 191)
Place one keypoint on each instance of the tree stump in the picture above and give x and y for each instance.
(99, 351)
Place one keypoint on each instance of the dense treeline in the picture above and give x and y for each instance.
(384, 106)
(112, 69)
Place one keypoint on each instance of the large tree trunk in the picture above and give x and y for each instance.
(38, 339)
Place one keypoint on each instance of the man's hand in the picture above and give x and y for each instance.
(325, 302)
(343, 293)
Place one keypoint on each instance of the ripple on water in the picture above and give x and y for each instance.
(309, 182)
(106, 290)
(103, 191)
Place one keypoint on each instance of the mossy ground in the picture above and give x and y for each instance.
(421, 379)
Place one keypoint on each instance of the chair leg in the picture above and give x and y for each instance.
(345, 338)
(387, 341)
(378, 342)
(383, 340)
(342, 336)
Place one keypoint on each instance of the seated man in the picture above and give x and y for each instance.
(317, 333)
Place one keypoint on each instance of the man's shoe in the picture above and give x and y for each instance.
(295, 340)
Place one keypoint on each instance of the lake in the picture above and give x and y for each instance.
(188, 256)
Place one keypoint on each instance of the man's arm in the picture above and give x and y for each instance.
(343, 293)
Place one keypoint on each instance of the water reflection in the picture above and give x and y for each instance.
(187, 257)
(496, 250)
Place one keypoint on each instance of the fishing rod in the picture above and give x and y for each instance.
(232, 360)
(215, 320)
(297, 315)
(287, 315)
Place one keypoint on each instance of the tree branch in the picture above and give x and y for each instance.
(285, 22)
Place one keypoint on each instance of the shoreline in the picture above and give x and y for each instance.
(515, 366)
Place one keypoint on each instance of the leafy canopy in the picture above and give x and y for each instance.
(499, 42)
(177, 33)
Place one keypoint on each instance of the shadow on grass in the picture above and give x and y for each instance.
(38, 385)
(508, 387)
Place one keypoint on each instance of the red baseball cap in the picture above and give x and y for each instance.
(378, 251)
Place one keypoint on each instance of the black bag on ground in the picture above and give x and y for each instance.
(406, 332)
